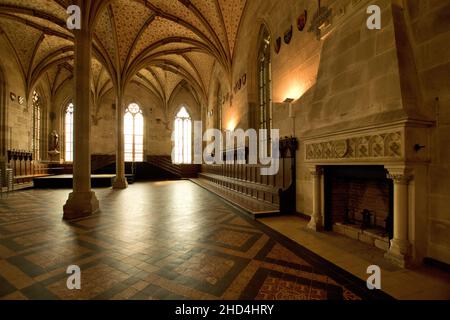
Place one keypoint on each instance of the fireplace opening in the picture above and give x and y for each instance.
(359, 203)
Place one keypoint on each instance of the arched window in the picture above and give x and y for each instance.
(265, 81)
(219, 114)
(183, 137)
(37, 116)
(68, 133)
(134, 134)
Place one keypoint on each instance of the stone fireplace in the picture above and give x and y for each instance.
(359, 203)
(370, 184)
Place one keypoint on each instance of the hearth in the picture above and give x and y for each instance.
(359, 202)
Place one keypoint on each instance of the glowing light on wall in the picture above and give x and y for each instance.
(231, 125)
(294, 90)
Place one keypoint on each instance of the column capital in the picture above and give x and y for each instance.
(316, 171)
(400, 175)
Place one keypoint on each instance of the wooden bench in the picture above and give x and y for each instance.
(25, 168)
(259, 191)
(253, 192)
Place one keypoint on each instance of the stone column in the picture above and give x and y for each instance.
(120, 182)
(82, 201)
(316, 218)
(3, 122)
(400, 249)
(292, 117)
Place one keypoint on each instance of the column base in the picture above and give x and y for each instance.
(80, 205)
(120, 183)
(399, 253)
(314, 224)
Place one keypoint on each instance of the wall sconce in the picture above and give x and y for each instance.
(289, 102)
(291, 113)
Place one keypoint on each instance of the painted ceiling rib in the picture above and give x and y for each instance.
(196, 29)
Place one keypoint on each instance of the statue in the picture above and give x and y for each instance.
(55, 141)
(54, 147)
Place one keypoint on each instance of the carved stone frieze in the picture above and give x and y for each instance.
(385, 145)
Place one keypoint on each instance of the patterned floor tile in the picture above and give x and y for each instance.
(164, 240)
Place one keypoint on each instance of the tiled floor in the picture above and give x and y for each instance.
(417, 283)
(164, 240)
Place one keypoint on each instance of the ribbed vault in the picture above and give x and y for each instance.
(156, 43)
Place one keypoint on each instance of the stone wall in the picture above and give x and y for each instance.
(158, 122)
(334, 80)
(19, 117)
(428, 25)
(351, 78)
(356, 78)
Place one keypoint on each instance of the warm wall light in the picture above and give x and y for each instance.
(231, 125)
(291, 113)
(292, 88)
(289, 102)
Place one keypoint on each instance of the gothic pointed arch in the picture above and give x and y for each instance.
(134, 133)
(182, 137)
(68, 121)
(259, 78)
(264, 80)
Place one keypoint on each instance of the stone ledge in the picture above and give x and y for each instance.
(362, 235)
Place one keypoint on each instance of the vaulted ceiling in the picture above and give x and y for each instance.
(158, 44)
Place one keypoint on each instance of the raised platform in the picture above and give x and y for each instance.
(65, 181)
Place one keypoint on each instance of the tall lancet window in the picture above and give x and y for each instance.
(265, 81)
(134, 134)
(68, 133)
(37, 117)
(219, 115)
(183, 137)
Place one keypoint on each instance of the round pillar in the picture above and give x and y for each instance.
(316, 219)
(82, 201)
(400, 249)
